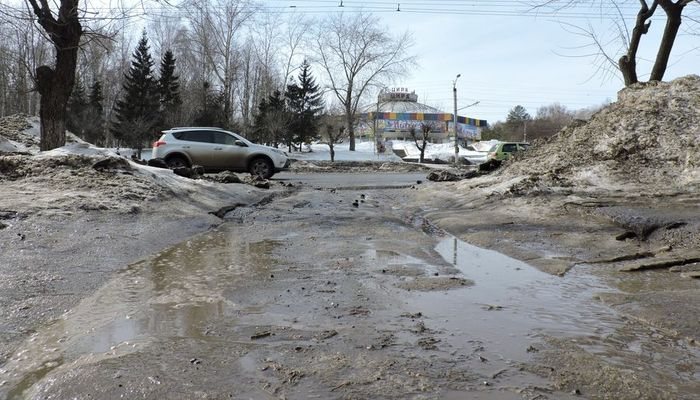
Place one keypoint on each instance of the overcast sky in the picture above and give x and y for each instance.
(508, 55)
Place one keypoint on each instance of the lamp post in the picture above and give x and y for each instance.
(454, 92)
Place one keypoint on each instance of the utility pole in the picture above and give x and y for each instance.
(454, 92)
(525, 131)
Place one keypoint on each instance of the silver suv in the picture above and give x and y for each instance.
(217, 150)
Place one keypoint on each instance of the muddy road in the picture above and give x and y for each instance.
(342, 293)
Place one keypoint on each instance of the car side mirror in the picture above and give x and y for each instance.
(240, 143)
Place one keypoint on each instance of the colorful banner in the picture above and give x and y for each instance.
(426, 117)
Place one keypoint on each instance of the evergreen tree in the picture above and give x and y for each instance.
(517, 121)
(305, 103)
(95, 115)
(137, 111)
(518, 114)
(272, 120)
(76, 109)
(169, 88)
(211, 112)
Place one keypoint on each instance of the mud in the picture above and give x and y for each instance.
(308, 296)
(577, 235)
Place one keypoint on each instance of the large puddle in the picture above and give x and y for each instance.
(178, 292)
(172, 294)
(513, 305)
(512, 302)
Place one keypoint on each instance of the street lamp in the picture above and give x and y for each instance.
(454, 92)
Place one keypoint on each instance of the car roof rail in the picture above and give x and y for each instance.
(178, 128)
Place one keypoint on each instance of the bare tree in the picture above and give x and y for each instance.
(56, 83)
(422, 140)
(334, 134)
(215, 25)
(356, 52)
(297, 31)
(627, 62)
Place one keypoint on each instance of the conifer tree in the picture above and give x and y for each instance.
(272, 120)
(95, 115)
(169, 88)
(211, 112)
(305, 102)
(136, 113)
(76, 109)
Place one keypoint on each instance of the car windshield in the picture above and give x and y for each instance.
(493, 148)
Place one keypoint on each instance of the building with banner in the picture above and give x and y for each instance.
(397, 111)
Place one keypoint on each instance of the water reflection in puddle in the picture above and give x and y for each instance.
(511, 302)
(173, 294)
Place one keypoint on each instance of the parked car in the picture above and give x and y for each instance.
(216, 149)
(473, 156)
(503, 150)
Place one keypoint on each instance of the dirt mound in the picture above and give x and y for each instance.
(649, 137)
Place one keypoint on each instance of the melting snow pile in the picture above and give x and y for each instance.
(649, 137)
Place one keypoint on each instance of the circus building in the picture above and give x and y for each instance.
(397, 111)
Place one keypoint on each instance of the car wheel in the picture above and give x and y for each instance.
(176, 162)
(261, 167)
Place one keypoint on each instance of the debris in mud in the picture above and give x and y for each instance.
(449, 176)
(326, 335)
(224, 177)
(421, 329)
(195, 172)
(427, 284)
(157, 163)
(624, 257)
(626, 235)
(491, 307)
(668, 261)
(428, 343)
(260, 335)
(358, 311)
(112, 163)
(490, 165)
(221, 213)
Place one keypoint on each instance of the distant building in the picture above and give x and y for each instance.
(397, 110)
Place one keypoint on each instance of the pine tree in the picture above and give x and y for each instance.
(211, 112)
(305, 102)
(95, 115)
(137, 111)
(76, 109)
(272, 120)
(169, 88)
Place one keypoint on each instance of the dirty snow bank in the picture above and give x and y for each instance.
(650, 137)
(80, 176)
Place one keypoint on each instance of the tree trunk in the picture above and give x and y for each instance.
(673, 23)
(628, 62)
(330, 144)
(55, 85)
(351, 126)
(628, 68)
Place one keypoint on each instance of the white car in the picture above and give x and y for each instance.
(473, 156)
(217, 150)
